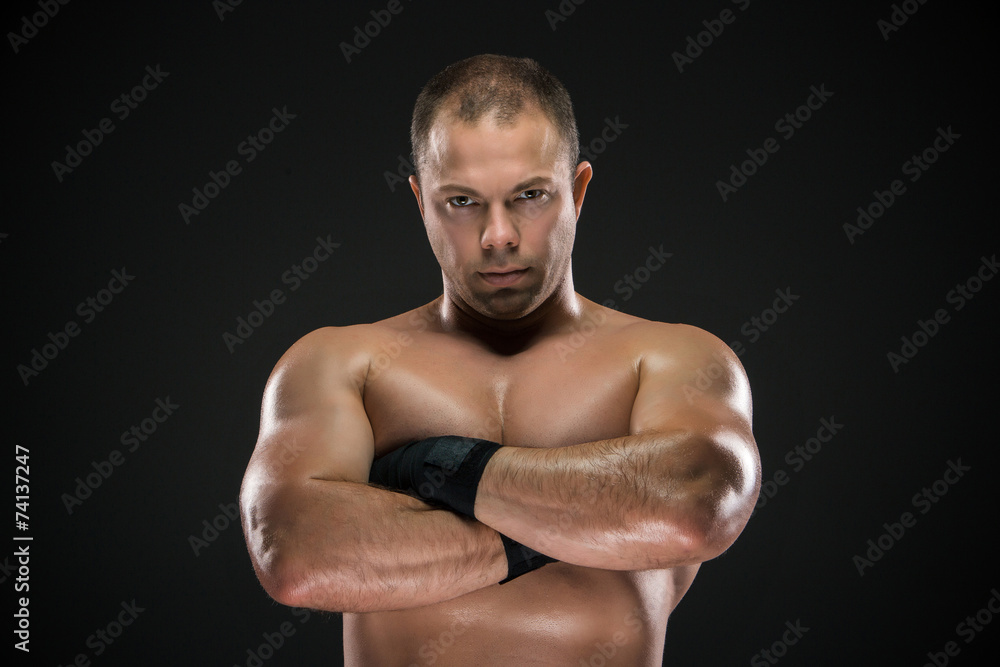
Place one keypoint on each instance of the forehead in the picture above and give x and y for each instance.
(485, 152)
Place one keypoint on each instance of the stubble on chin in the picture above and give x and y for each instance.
(506, 303)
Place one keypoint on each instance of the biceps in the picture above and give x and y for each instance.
(703, 400)
(331, 442)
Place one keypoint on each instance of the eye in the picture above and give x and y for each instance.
(460, 201)
(531, 194)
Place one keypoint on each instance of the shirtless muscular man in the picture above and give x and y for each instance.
(463, 490)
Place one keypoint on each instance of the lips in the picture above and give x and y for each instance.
(503, 276)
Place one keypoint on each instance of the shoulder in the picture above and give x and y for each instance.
(687, 361)
(681, 345)
(661, 343)
(339, 353)
(322, 363)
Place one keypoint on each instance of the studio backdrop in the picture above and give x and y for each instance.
(193, 186)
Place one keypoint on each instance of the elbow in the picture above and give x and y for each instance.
(275, 570)
(724, 510)
(719, 499)
(292, 585)
(287, 581)
(303, 556)
(723, 522)
(286, 571)
(702, 531)
(284, 585)
(271, 544)
(278, 589)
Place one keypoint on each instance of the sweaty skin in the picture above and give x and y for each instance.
(621, 461)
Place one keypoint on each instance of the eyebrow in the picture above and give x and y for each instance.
(523, 185)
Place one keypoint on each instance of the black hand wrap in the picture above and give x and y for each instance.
(445, 469)
(521, 559)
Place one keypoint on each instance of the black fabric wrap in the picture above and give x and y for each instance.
(445, 469)
(521, 559)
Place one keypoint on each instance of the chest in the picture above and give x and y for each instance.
(549, 396)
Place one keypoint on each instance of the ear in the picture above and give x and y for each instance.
(416, 193)
(584, 172)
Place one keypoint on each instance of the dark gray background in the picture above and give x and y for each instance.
(654, 184)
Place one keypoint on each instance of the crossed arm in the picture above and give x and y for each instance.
(677, 490)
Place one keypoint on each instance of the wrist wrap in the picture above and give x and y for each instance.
(445, 469)
(521, 559)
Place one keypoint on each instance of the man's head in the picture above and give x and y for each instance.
(495, 145)
(498, 88)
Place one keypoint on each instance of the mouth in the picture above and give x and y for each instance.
(503, 276)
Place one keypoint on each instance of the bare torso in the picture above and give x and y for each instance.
(571, 387)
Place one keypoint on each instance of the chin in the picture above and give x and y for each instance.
(500, 306)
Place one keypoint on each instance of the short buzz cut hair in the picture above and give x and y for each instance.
(500, 87)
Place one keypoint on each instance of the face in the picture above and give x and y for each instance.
(500, 207)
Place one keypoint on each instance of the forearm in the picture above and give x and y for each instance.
(347, 546)
(637, 502)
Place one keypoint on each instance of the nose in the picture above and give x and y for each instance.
(500, 230)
